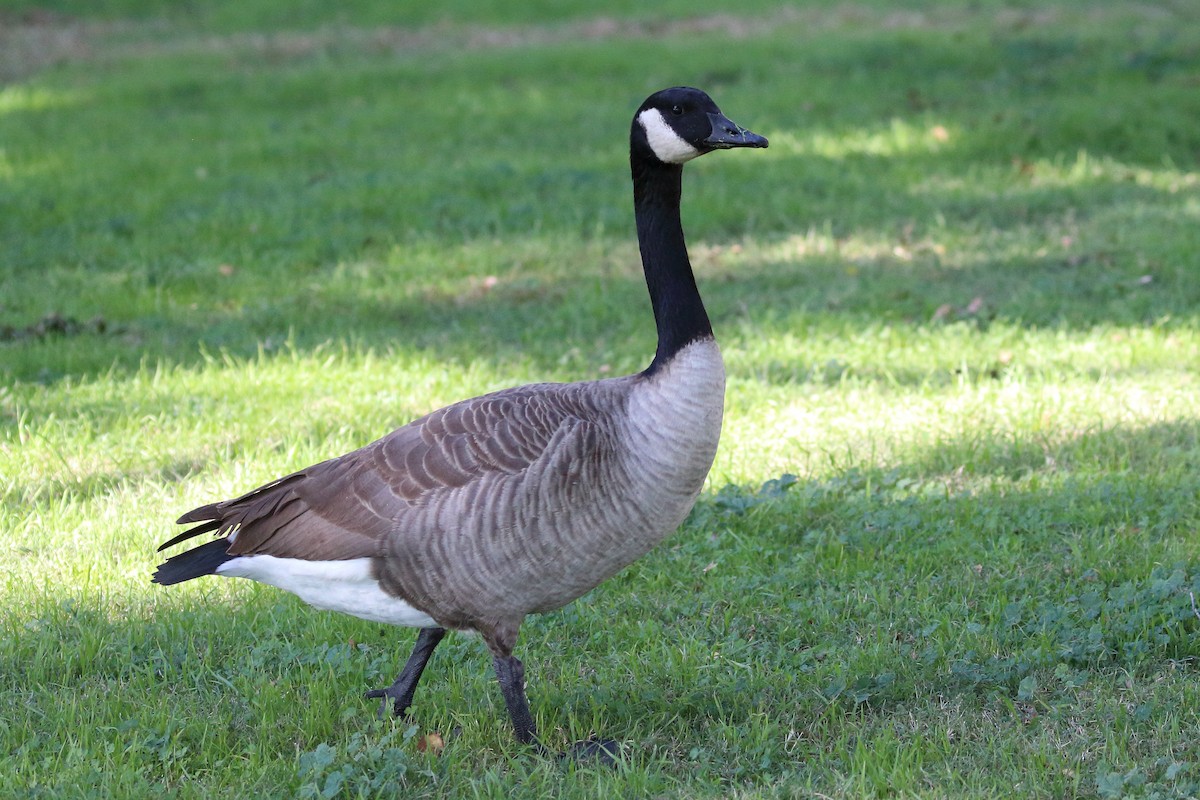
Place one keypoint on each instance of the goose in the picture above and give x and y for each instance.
(515, 502)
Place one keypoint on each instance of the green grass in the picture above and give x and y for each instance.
(949, 547)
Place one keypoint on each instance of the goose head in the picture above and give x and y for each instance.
(676, 125)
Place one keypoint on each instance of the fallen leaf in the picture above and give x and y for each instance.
(431, 743)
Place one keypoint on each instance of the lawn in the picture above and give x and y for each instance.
(949, 547)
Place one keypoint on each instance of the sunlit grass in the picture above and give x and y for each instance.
(19, 98)
(897, 138)
(1080, 171)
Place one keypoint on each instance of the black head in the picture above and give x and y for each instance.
(676, 125)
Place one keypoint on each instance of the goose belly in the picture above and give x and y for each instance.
(349, 586)
(535, 541)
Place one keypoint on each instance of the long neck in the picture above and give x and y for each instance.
(678, 310)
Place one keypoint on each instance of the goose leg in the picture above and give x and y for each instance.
(510, 673)
(405, 686)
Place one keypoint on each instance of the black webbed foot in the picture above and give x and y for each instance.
(405, 686)
(396, 694)
(605, 752)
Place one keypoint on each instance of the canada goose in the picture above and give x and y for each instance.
(519, 501)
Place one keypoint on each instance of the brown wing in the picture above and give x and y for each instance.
(342, 508)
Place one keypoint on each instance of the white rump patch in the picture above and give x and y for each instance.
(345, 586)
(668, 145)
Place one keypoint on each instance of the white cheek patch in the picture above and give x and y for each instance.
(664, 141)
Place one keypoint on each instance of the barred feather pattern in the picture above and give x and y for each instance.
(503, 505)
(614, 480)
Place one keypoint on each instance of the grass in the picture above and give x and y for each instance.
(949, 544)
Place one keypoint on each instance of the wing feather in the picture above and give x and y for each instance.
(345, 507)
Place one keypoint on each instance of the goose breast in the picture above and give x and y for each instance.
(622, 468)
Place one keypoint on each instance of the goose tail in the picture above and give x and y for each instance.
(194, 563)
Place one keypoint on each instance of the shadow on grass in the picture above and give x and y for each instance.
(882, 610)
(884, 591)
(540, 320)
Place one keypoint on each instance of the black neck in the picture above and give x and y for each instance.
(678, 310)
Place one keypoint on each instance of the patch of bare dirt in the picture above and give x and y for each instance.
(394, 39)
(35, 39)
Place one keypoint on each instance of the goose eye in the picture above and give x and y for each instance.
(677, 110)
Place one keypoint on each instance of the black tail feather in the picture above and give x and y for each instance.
(198, 561)
(188, 534)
